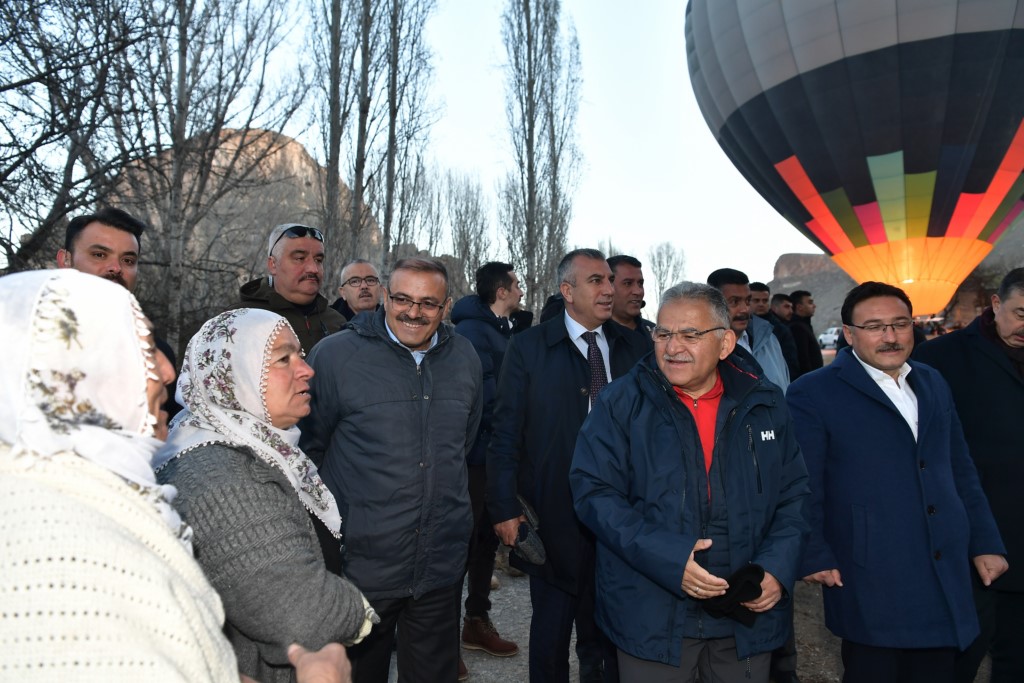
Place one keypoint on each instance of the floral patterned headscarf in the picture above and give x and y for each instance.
(223, 389)
(76, 359)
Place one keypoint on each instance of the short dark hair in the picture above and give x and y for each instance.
(779, 298)
(115, 218)
(423, 265)
(798, 296)
(490, 277)
(871, 290)
(614, 261)
(1013, 282)
(759, 287)
(727, 276)
(565, 265)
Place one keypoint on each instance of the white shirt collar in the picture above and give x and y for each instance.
(576, 330)
(879, 376)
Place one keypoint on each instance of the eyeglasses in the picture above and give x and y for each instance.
(404, 302)
(688, 336)
(879, 328)
(299, 231)
(370, 280)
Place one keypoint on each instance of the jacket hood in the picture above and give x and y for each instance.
(472, 307)
(259, 291)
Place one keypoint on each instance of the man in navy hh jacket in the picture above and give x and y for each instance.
(897, 514)
(688, 472)
(984, 365)
(544, 394)
(483, 319)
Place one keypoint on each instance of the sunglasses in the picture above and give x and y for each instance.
(299, 231)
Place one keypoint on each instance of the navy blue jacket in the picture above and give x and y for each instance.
(899, 518)
(989, 396)
(639, 483)
(543, 398)
(489, 335)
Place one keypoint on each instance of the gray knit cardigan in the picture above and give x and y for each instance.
(257, 545)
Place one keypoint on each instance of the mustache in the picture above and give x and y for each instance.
(892, 346)
(678, 358)
(406, 318)
(741, 316)
(115, 277)
(310, 276)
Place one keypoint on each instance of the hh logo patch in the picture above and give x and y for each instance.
(768, 436)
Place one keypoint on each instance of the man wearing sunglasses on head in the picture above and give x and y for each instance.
(295, 263)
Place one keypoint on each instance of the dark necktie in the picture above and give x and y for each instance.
(598, 378)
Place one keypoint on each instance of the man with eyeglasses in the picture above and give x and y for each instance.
(395, 409)
(295, 263)
(984, 365)
(896, 510)
(360, 289)
(689, 475)
(550, 378)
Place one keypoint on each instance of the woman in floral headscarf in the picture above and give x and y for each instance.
(97, 580)
(266, 528)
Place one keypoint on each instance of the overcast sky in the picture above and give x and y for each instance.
(652, 170)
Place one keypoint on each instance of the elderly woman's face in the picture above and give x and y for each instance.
(287, 394)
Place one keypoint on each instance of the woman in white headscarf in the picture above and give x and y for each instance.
(266, 528)
(97, 579)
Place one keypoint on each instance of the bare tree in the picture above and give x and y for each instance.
(542, 96)
(666, 265)
(197, 97)
(408, 118)
(55, 154)
(470, 226)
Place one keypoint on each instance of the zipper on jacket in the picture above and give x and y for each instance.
(753, 455)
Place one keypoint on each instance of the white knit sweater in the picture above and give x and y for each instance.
(94, 586)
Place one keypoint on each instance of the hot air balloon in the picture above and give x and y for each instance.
(889, 133)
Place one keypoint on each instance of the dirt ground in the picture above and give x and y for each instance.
(818, 650)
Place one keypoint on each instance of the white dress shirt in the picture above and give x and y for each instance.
(899, 392)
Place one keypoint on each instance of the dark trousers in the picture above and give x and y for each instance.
(482, 546)
(554, 613)
(870, 664)
(783, 666)
(428, 639)
(714, 661)
(1002, 635)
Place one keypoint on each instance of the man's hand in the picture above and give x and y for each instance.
(990, 567)
(327, 665)
(771, 593)
(826, 577)
(509, 529)
(697, 582)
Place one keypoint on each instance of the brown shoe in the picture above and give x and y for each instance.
(480, 634)
(463, 671)
(495, 584)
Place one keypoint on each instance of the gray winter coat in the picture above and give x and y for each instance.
(390, 440)
(256, 543)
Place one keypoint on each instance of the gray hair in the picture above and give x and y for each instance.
(356, 262)
(706, 294)
(1011, 284)
(566, 272)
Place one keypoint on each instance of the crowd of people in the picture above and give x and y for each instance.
(335, 474)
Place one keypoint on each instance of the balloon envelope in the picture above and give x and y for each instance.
(889, 133)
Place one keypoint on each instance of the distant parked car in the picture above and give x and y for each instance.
(828, 338)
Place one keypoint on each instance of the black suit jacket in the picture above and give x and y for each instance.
(543, 399)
